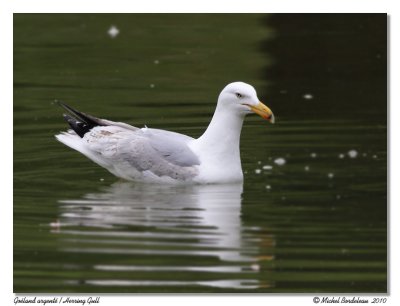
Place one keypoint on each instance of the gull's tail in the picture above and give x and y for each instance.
(80, 122)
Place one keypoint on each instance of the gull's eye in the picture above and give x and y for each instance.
(239, 95)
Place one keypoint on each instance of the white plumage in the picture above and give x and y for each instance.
(152, 155)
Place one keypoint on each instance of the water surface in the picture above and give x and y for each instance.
(311, 215)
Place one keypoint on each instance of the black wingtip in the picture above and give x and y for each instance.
(61, 103)
(80, 128)
(68, 108)
(87, 119)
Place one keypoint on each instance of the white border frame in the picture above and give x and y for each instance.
(8, 7)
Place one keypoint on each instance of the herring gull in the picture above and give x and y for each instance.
(154, 155)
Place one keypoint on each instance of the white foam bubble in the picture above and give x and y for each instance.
(55, 224)
(257, 171)
(280, 161)
(113, 31)
(267, 167)
(255, 267)
(352, 153)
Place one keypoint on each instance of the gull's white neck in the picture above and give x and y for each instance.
(223, 132)
(219, 147)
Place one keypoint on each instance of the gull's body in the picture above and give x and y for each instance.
(153, 155)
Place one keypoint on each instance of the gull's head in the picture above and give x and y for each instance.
(242, 98)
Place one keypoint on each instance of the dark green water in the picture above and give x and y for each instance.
(317, 223)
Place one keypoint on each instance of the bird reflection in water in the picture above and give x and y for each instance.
(202, 222)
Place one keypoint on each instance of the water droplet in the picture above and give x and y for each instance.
(257, 171)
(255, 267)
(268, 187)
(267, 167)
(55, 224)
(113, 31)
(101, 180)
(331, 175)
(374, 156)
(156, 62)
(344, 251)
(313, 155)
(280, 161)
(307, 168)
(341, 156)
(352, 153)
(152, 85)
(308, 96)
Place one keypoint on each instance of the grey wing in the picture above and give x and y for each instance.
(172, 146)
(124, 152)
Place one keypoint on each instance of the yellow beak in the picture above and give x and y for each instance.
(264, 111)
